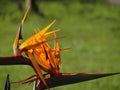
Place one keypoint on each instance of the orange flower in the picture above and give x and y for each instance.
(36, 48)
(42, 57)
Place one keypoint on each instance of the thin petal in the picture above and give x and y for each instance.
(37, 36)
(37, 68)
(33, 45)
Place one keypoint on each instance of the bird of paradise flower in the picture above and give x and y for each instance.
(43, 58)
(37, 49)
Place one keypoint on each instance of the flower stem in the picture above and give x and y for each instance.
(14, 60)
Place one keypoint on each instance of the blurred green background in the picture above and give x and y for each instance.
(91, 29)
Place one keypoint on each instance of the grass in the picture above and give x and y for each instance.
(91, 30)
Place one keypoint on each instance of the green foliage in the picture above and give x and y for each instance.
(92, 31)
(93, 1)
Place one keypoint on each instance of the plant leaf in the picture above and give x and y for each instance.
(7, 84)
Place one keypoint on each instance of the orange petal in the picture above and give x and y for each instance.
(37, 68)
(31, 40)
(36, 43)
